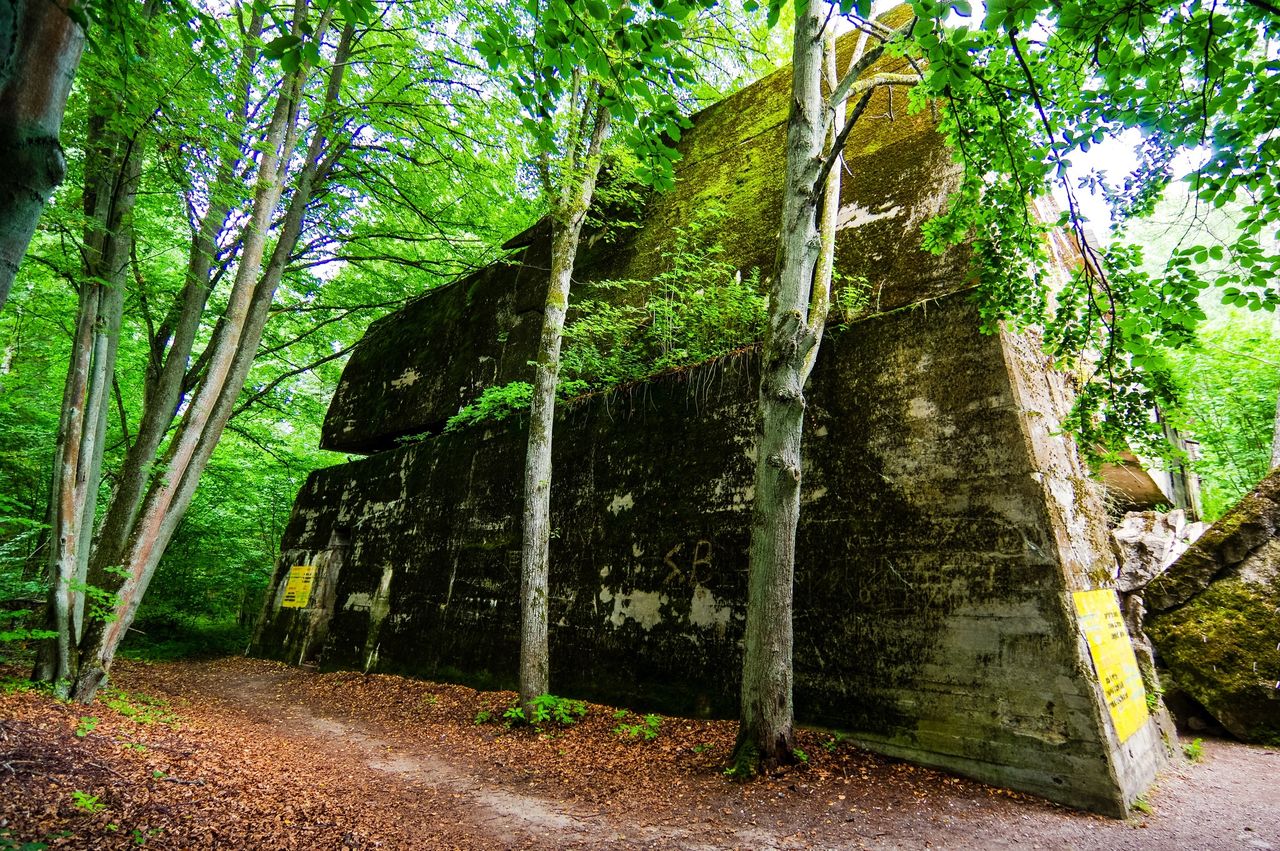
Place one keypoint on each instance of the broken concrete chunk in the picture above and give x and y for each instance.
(1215, 618)
(1146, 543)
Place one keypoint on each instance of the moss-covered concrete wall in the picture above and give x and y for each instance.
(1214, 617)
(415, 368)
(944, 526)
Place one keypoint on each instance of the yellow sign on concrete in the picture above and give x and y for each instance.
(1113, 659)
(297, 591)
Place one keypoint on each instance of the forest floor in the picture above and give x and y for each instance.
(239, 753)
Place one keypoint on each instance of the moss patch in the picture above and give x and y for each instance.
(1222, 649)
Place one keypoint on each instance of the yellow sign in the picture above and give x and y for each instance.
(1113, 659)
(297, 591)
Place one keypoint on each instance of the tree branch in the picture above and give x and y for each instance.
(284, 376)
(867, 88)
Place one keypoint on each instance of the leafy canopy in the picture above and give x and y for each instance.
(632, 55)
(1033, 85)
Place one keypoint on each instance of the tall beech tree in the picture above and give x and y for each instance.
(799, 299)
(577, 67)
(40, 46)
(114, 143)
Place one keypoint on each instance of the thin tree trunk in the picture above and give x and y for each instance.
(766, 735)
(567, 217)
(112, 175)
(110, 274)
(53, 663)
(40, 48)
(535, 677)
(88, 477)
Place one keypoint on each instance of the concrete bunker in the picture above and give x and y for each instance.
(947, 525)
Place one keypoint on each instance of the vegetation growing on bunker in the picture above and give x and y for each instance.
(699, 307)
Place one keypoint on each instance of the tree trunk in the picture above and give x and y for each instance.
(110, 196)
(111, 182)
(40, 48)
(54, 663)
(766, 735)
(535, 678)
(569, 212)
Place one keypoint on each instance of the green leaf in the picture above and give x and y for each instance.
(670, 29)
(277, 47)
(677, 11)
(775, 11)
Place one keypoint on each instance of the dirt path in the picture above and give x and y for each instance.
(267, 756)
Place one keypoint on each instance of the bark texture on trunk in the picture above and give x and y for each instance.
(112, 172)
(40, 47)
(535, 677)
(766, 735)
(569, 212)
(54, 663)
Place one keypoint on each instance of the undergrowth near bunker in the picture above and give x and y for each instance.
(701, 307)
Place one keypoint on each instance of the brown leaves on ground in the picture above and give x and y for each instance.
(261, 755)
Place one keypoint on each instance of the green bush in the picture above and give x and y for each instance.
(646, 728)
(493, 405)
(546, 708)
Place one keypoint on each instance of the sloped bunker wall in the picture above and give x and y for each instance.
(944, 526)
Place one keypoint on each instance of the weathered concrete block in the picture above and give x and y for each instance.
(415, 368)
(1146, 543)
(1214, 617)
(943, 529)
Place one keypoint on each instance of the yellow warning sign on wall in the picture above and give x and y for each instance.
(1113, 659)
(297, 590)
